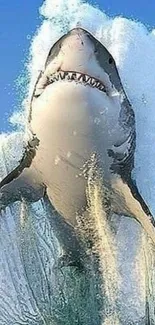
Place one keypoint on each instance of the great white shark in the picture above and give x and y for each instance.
(78, 109)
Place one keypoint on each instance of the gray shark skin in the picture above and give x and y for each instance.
(78, 109)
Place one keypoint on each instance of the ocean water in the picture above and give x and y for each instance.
(31, 292)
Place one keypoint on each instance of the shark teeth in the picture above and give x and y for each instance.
(78, 77)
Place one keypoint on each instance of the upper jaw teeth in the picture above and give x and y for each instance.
(78, 77)
(73, 76)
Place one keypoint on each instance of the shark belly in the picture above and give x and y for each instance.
(70, 124)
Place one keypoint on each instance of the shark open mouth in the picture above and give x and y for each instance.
(78, 77)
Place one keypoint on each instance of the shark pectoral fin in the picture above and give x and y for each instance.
(27, 185)
(126, 200)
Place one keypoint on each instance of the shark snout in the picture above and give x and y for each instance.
(78, 31)
(77, 43)
(77, 38)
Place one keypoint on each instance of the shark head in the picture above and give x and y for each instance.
(78, 56)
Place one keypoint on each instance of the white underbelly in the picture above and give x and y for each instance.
(71, 124)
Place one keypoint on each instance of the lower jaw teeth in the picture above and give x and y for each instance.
(77, 78)
(79, 81)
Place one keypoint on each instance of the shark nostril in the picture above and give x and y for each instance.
(80, 39)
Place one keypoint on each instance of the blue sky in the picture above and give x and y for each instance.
(18, 22)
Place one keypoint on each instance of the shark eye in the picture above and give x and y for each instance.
(111, 60)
